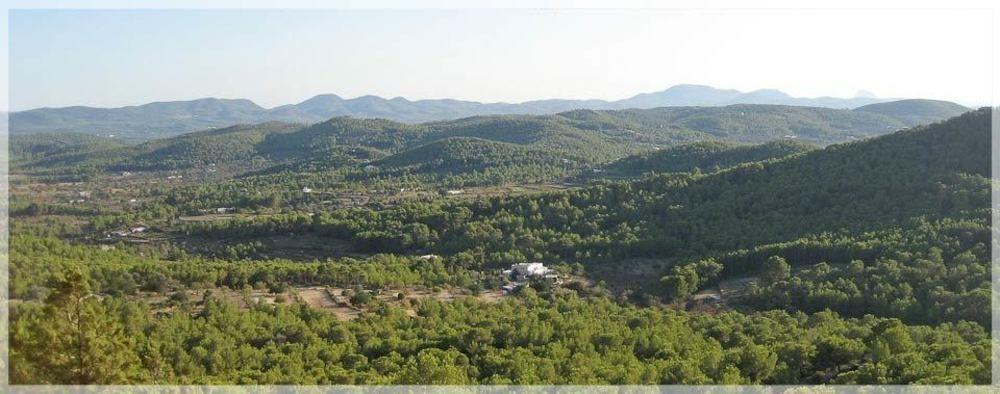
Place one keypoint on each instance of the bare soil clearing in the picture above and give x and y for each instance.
(331, 299)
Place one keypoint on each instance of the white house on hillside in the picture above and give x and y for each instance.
(523, 271)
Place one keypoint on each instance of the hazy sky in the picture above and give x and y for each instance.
(114, 58)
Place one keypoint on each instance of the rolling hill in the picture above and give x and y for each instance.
(916, 111)
(939, 169)
(27, 148)
(163, 119)
(823, 206)
(706, 156)
(587, 137)
(464, 154)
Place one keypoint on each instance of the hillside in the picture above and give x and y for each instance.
(940, 169)
(33, 147)
(236, 143)
(163, 119)
(761, 123)
(581, 136)
(705, 156)
(916, 198)
(461, 154)
(937, 170)
(865, 262)
(934, 172)
(916, 111)
(148, 121)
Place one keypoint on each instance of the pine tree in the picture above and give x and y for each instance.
(77, 341)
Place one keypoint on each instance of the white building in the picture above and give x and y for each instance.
(307, 190)
(523, 271)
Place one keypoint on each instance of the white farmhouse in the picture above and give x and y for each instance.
(523, 271)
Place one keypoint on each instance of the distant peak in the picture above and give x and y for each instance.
(685, 86)
(323, 97)
(774, 92)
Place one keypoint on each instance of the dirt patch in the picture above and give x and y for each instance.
(316, 297)
(735, 288)
(491, 296)
(209, 217)
(631, 274)
(331, 299)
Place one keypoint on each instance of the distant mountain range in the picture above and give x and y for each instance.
(164, 119)
(549, 144)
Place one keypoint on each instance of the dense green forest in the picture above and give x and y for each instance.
(532, 339)
(916, 111)
(28, 148)
(706, 156)
(861, 262)
(69, 336)
(935, 172)
(581, 135)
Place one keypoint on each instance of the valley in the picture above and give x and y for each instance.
(668, 240)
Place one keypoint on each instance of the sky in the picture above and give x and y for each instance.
(127, 57)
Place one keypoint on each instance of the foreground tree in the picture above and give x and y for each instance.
(72, 339)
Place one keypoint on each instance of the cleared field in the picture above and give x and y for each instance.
(316, 297)
(209, 217)
(330, 299)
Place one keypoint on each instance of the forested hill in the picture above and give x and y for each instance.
(582, 136)
(916, 111)
(164, 119)
(939, 170)
(911, 206)
(864, 262)
(225, 145)
(705, 156)
(29, 147)
(932, 173)
(462, 154)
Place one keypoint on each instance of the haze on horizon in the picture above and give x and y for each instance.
(116, 58)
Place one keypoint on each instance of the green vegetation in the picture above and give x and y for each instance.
(497, 162)
(935, 171)
(166, 119)
(340, 153)
(307, 258)
(528, 340)
(27, 149)
(708, 156)
(916, 111)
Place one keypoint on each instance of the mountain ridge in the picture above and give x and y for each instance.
(168, 118)
(586, 137)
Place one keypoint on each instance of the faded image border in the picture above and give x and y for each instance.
(995, 330)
